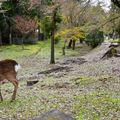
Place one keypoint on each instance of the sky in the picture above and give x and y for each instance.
(106, 3)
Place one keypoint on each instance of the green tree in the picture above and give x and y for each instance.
(46, 24)
(72, 35)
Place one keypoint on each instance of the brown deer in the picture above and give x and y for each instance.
(8, 71)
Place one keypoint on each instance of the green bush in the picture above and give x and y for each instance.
(57, 39)
(94, 38)
(46, 24)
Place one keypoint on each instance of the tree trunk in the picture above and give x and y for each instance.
(0, 38)
(10, 35)
(73, 47)
(52, 61)
(23, 43)
(81, 41)
(39, 35)
(10, 39)
(63, 49)
(69, 44)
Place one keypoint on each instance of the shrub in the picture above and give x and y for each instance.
(94, 38)
(57, 39)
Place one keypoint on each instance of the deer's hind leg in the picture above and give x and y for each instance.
(1, 98)
(14, 81)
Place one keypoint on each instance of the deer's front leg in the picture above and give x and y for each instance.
(1, 98)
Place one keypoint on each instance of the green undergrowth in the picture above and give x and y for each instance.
(41, 49)
(97, 106)
(16, 51)
(85, 80)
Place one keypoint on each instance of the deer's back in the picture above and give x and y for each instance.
(7, 66)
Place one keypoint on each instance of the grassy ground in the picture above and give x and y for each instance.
(15, 51)
(83, 90)
(51, 93)
(43, 48)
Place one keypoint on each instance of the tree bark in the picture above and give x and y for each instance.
(63, 49)
(39, 35)
(10, 36)
(0, 38)
(69, 44)
(52, 60)
(73, 47)
(81, 41)
(23, 43)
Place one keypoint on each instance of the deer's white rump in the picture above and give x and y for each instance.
(17, 67)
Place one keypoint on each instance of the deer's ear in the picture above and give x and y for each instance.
(17, 67)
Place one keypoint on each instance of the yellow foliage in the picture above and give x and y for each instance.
(65, 19)
(71, 34)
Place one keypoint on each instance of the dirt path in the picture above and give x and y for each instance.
(34, 65)
(97, 53)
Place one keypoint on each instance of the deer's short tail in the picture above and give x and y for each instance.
(17, 67)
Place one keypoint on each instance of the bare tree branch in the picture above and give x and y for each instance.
(110, 20)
